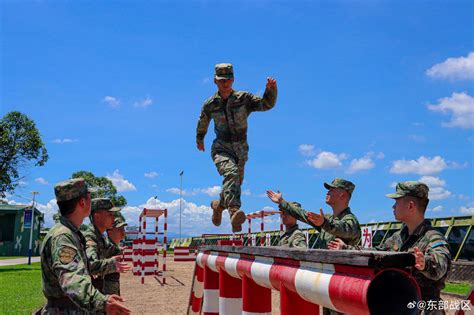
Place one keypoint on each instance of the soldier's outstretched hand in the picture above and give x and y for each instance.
(337, 244)
(316, 219)
(113, 305)
(121, 266)
(200, 147)
(419, 259)
(276, 197)
(271, 83)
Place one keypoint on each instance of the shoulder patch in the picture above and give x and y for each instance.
(67, 254)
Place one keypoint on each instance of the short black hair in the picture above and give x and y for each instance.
(67, 207)
(421, 203)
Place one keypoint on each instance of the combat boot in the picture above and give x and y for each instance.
(217, 209)
(237, 218)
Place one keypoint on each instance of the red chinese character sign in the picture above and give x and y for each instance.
(366, 237)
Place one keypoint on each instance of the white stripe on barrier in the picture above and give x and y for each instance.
(198, 288)
(312, 283)
(199, 260)
(230, 306)
(260, 271)
(211, 261)
(211, 301)
(230, 265)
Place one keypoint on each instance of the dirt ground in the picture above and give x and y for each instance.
(152, 298)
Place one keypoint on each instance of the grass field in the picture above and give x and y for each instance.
(458, 288)
(20, 292)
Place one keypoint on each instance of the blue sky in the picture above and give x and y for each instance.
(375, 92)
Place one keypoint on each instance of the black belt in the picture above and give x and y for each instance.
(63, 302)
(227, 137)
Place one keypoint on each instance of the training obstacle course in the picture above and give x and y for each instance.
(239, 280)
(145, 253)
(265, 240)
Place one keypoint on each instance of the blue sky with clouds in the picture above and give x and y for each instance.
(375, 92)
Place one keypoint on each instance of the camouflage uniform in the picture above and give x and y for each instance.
(344, 226)
(293, 238)
(112, 280)
(97, 246)
(65, 271)
(230, 148)
(430, 241)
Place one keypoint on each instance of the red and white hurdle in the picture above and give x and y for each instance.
(146, 252)
(260, 214)
(239, 281)
(185, 253)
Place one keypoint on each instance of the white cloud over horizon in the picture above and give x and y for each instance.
(146, 102)
(327, 160)
(151, 174)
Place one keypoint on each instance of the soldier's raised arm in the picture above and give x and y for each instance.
(347, 227)
(268, 101)
(435, 259)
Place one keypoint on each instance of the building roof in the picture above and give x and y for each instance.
(14, 208)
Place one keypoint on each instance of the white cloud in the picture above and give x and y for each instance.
(246, 192)
(210, 191)
(393, 185)
(461, 68)
(111, 101)
(439, 193)
(417, 138)
(64, 141)
(362, 164)
(151, 174)
(48, 209)
(306, 149)
(467, 210)
(143, 103)
(41, 181)
(326, 160)
(436, 209)
(432, 181)
(205, 80)
(120, 182)
(461, 108)
(422, 166)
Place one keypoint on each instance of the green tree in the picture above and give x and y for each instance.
(20, 146)
(106, 188)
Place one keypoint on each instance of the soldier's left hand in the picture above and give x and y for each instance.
(316, 219)
(419, 259)
(271, 83)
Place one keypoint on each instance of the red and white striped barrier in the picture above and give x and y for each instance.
(236, 283)
(146, 252)
(260, 214)
(185, 253)
(127, 253)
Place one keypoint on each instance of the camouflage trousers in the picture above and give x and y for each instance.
(232, 169)
(112, 283)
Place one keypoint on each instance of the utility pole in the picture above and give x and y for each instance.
(32, 226)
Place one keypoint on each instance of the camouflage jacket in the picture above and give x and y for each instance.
(65, 271)
(97, 249)
(112, 280)
(436, 249)
(293, 237)
(344, 226)
(230, 119)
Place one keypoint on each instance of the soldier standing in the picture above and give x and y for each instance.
(230, 110)
(67, 283)
(97, 247)
(342, 223)
(416, 236)
(115, 235)
(293, 236)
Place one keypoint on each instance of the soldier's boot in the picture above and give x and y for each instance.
(237, 218)
(217, 209)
